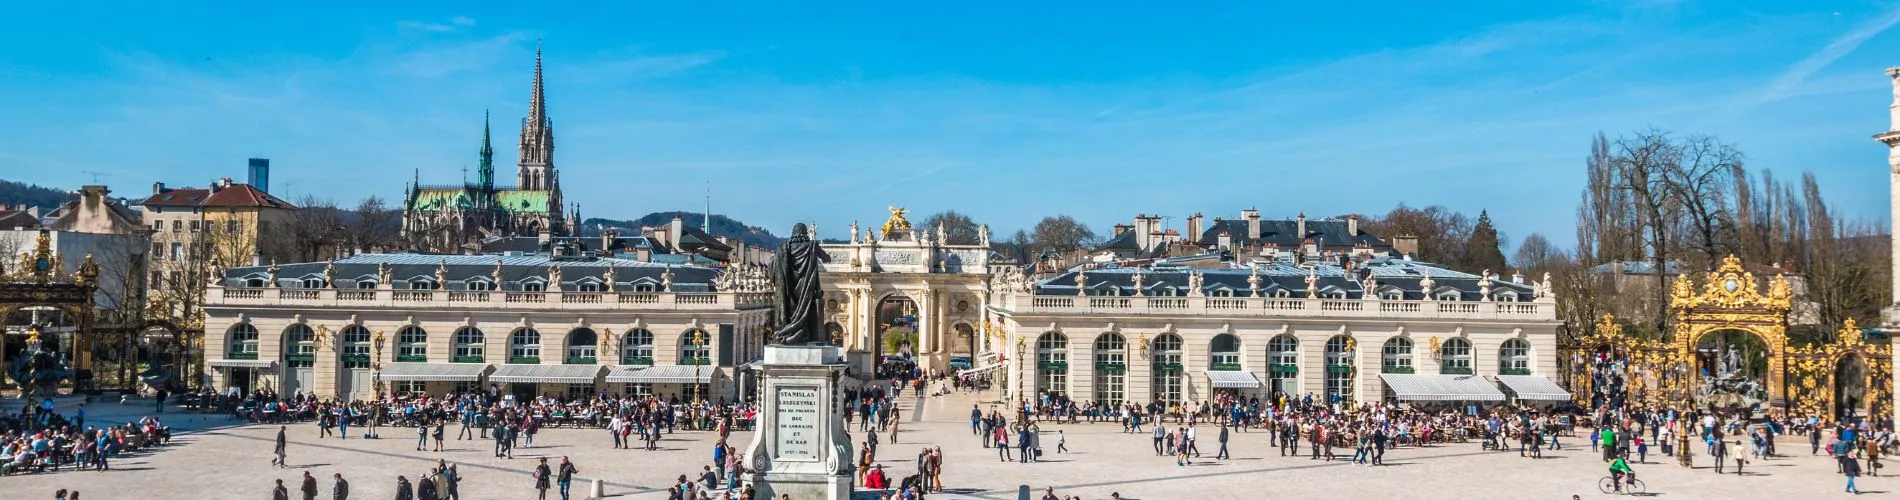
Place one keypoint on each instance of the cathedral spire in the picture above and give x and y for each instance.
(485, 171)
(537, 103)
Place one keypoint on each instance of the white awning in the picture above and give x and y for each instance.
(980, 369)
(242, 363)
(433, 372)
(1233, 380)
(1534, 388)
(662, 374)
(1420, 387)
(549, 374)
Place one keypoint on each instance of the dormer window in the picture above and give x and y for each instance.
(480, 286)
(1222, 292)
(587, 287)
(1166, 291)
(1507, 296)
(366, 285)
(422, 284)
(254, 282)
(1334, 295)
(1108, 291)
(1448, 295)
(1282, 293)
(644, 288)
(533, 286)
(1392, 295)
(313, 283)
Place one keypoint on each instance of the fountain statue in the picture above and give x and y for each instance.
(38, 370)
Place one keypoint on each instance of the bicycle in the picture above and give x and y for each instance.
(1632, 486)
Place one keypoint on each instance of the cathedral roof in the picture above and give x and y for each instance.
(525, 201)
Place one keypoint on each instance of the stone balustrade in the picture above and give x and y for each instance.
(456, 300)
(1290, 307)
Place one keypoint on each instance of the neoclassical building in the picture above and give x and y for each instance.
(531, 325)
(1191, 329)
(897, 277)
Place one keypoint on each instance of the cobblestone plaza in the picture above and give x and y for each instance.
(212, 458)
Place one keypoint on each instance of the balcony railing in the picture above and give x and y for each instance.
(1224, 367)
(1111, 367)
(1398, 369)
(413, 358)
(1455, 370)
(240, 355)
(355, 299)
(643, 360)
(1514, 371)
(466, 359)
(1542, 310)
(1283, 368)
(524, 360)
(583, 360)
(696, 361)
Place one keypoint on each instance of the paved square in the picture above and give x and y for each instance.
(213, 459)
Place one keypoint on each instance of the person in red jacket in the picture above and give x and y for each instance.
(876, 479)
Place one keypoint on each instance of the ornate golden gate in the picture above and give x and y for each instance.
(1812, 372)
(1731, 300)
(1649, 364)
(39, 280)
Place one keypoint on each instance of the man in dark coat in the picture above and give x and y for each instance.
(1222, 454)
(425, 489)
(309, 489)
(342, 489)
(280, 493)
(403, 491)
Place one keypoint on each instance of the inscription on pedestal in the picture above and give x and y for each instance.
(797, 424)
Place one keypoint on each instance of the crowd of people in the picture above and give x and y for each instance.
(39, 439)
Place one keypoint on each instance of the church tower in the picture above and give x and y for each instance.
(536, 170)
(485, 170)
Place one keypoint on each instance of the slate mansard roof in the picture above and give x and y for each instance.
(1327, 233)
(418, 271)
(1281, 278)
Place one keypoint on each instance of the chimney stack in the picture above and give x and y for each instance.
(1253, 223)
(1302, 227)
(1193, 228)
(1352, 225)
(158, 188)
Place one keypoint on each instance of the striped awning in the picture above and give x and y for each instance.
(242, 363)
(1425, 387)
(1534, 388)
(981, 369)
(547, 374)
(1233, 379)
(660, 374)
(433, 372)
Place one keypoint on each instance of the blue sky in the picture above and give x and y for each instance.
(1005, 111)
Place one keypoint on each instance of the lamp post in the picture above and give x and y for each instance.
(699, 359)
(376, 365)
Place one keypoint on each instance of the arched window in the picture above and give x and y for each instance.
(1283, 364)
(1167, 367)
(695, 347)
(1338, 370)
(1454, 356)
(1514, 357)
(524, 346)
(468, 345)
(1052, 363)
(300, 346)
(313, 283)
(254, 282)
(582, 346)
(355, 347)
(637, 347)
(243, 340)
(1225, 352)
(412, 344)
(1111, 363)
(1396, 356)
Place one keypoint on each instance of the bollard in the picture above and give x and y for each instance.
(1022, 492)
(598, 491)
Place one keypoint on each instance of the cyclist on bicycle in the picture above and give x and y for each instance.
(1620, 469)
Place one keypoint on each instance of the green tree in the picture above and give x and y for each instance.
(1484, 251)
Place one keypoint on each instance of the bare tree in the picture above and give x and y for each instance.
(1063, 233)
(958, 229)
(376, 226)
(1535, 255)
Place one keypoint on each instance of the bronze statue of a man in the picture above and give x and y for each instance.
(797, 299)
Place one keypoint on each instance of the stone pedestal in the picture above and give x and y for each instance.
(801, 448)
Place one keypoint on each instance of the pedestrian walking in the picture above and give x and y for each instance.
(341, 490)
(1062, 442)
(566, 476)
(280, 493)
(438, 436)
(1222, 454)
(309, 488)
(278, 451)
(403, 490)
(541, 479)
(1851, 468)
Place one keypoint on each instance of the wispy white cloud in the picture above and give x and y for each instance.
(1785, 85)
(442, 26)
